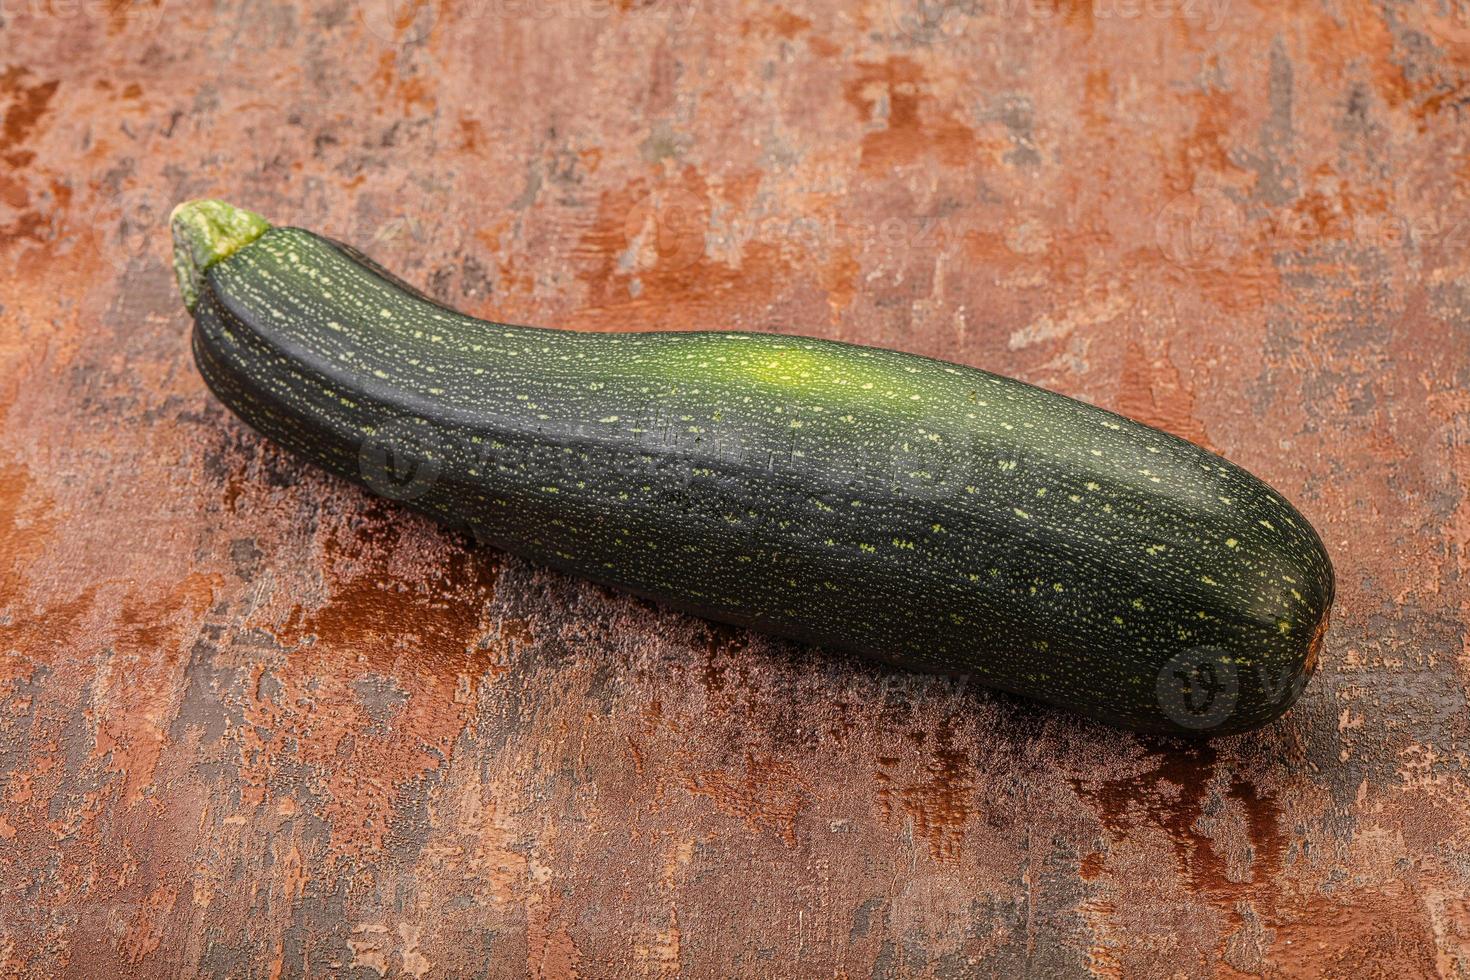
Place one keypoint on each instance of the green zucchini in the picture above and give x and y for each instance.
(933, 515)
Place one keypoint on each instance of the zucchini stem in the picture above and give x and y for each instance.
(205, 232)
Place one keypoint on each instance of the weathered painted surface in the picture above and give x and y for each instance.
(255, 723)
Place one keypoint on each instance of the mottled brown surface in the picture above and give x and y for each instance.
(254, 723)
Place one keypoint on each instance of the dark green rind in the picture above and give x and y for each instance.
(929, 514)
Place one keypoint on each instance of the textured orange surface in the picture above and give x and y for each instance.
(255, 723)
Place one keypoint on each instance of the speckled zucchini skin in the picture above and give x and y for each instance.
(929, 514)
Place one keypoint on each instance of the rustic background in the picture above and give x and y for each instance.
(254, 723)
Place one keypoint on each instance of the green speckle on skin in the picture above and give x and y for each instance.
(206, 232)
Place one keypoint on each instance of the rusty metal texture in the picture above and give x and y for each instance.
(254, 723)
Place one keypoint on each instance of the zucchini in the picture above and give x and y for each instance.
(936, 516)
